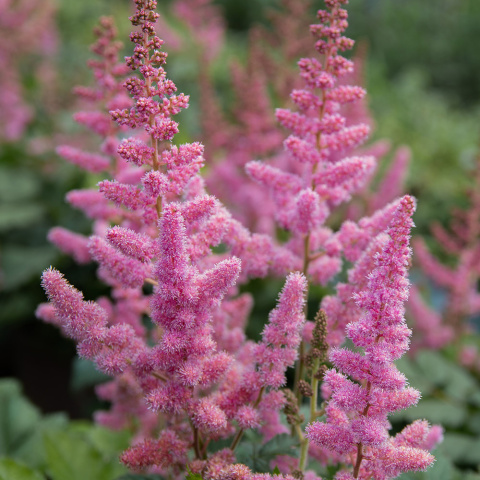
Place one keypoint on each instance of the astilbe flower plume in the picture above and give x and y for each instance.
(193, 372)
(166, 225)
(366, 387)
(322, 178)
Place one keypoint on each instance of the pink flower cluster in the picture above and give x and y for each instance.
(188, 376)
(356, 413)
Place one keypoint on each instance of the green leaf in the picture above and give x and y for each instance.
(435, 411)
(71, 455)
(415, 376)
(11, 470)
(20, 264)
(193, 476)
(32, 450)
(474, 423)
(461, 448)
(17, 185)
(84, 374)
(475, 398)
(132, 476)
(276, 471)
(22, 428)
(457, 382)
(109, 442)
(18, 418)
(442, 469)
(19, 215)
(258, 457)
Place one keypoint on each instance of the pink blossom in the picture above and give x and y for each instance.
(88, 161)
(71, 243)
(382, 333)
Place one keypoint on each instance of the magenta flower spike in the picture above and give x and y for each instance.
(174, 253)
(357, 425)
(318, 177)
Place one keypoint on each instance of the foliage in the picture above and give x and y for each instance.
(51, 444)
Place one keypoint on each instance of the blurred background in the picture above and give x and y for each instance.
(421, 69)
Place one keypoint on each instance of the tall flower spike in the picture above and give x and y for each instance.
(316, 177)
(357, 424)
(281, 336)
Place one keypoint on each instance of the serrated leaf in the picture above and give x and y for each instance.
(12, 470)
(71, 456)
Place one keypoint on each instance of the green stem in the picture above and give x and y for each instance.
(302, 463)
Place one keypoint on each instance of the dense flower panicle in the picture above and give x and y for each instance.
(131, 243)
(206, 24)
(122, 194)
(191, 376)
(281, 336)
(168, 450)
(135, 151)
(88, 161)
(129, 272)
(71, 243)
(92, 203)
(318, 178)
(357, 412)
(80, 319)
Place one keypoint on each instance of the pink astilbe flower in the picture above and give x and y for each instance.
(71, 243)
(112, 348)
(281, 336)
(174, 253)
(88, 161)
(357, 423)
(323, 178)
(169, 450)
